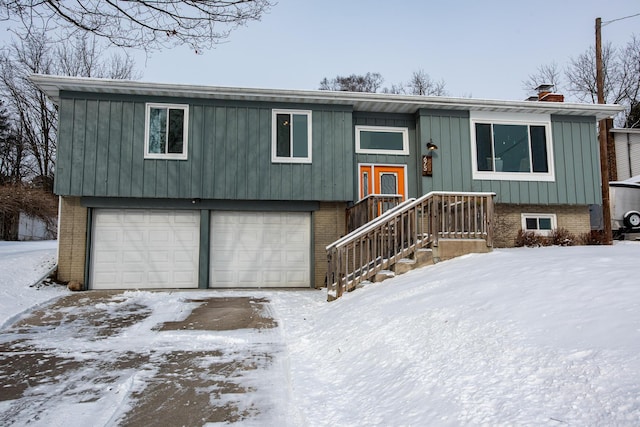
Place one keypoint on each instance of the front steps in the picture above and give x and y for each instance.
(446, 249)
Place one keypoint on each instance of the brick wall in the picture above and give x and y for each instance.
(328, 226)
(72, 240)
(507, 220)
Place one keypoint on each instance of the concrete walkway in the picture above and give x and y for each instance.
(175, 360)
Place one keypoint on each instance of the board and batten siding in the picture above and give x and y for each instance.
(390, 120)
(575, 151)
(101, 153)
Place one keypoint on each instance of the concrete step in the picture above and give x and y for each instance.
(383, 275)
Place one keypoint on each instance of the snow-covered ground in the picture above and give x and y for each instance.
(23, 264)
(544, 336)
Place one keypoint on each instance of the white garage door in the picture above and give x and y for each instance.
(260, 249)
(141, 248)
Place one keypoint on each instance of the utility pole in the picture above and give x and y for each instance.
(602, 138)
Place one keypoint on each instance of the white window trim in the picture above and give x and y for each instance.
(405, 139)
(373, 175)
(274, 136)
(488, 117)
(552, 217)
(185, 144)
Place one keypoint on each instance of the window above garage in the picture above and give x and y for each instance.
(166, 127)
(291, 136)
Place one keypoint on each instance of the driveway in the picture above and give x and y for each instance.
(144, 358)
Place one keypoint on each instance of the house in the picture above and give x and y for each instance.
(165, 185)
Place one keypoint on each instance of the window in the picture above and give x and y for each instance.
(382, 140)
(166, 129)
(542, 224)
(511, 147)
(291, 136)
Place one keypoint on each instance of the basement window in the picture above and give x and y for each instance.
(542, 224)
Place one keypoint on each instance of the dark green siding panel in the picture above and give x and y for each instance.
(62, 182)
(208, 141)
(234, 116)
(125, 117)
(111, 131)
(101, 173)
(94, 170)
(101, 153)
(77, 155)
(574, 151)
(221, 130)
(137, 152)
(191, 172)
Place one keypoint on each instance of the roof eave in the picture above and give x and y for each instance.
(360, 101)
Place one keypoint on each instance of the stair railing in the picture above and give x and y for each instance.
(399, 232)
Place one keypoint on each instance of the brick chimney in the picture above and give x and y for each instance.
(545, 94)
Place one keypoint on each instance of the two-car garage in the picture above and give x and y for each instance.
(151, 248)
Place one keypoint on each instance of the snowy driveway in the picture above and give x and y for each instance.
(142, 358)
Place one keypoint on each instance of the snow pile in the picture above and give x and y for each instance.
(545, 336)
(22, 264)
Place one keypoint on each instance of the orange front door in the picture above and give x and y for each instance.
(382, 179)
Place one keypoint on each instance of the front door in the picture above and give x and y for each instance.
(382, 179)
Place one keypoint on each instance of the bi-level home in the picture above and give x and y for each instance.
(181, 186)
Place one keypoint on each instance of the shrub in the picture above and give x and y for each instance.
(528, 239)
(595, 237)
(562, 237)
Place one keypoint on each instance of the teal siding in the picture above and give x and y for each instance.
(101, 153)
(411, 160)
(575, 151)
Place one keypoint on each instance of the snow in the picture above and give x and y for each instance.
(23, 264)
(526, 336)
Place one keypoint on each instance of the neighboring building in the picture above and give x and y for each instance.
(167, 185)
(627, 143)
(30, 228)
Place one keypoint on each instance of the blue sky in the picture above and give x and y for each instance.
(483, 49)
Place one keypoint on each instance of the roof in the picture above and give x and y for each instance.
(359, 101)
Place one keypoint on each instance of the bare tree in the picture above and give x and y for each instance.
(422, 84)
(145, 24)
(545, 74)
(34, 113)
(12, 153)
(369, 82)
(621, 77)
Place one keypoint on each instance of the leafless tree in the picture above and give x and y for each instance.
(621, 77)
(545, 74)
(35, 115)
(422, 84)
(12, 152)
(369, 82)
(144, 24)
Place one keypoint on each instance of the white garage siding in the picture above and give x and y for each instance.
(260, 249)
(141, 248)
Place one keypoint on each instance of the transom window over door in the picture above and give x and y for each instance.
(166, 130)
(514, 147)
(382, 140)
(291, 136)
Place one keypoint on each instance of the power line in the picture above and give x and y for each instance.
(620, 19)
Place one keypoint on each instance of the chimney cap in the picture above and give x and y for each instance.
(545, 88)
